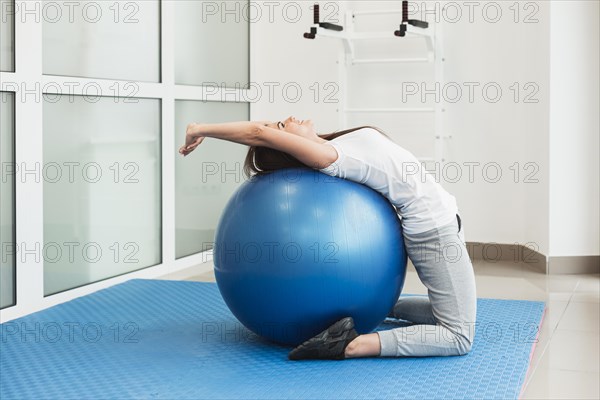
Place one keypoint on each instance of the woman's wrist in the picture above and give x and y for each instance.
(195, 130)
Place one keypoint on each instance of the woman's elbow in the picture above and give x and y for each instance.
(256, 137)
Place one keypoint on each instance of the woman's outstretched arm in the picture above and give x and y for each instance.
(311, 153)
(243, 132)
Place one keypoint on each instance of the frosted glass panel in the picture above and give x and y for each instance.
(7, 24)
(211, 43)
(7, 201)
(117, 39)
(205, 179)
(102, 203)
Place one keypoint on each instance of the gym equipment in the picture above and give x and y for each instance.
(296, 250)
(401, 32)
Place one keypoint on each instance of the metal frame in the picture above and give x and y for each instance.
(433, 39)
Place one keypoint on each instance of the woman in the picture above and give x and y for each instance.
(443, 323)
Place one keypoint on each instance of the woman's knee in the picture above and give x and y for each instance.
(464, 345)
(462, 339)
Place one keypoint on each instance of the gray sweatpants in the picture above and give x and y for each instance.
(443, 323)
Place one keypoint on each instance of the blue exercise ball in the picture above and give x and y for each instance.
(296, 250)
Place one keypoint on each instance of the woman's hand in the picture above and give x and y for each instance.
(193, 138)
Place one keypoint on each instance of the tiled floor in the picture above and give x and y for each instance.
(566, 362)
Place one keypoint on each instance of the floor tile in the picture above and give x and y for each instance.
(589, 283)
(186, 274)
(561, 384)
(588, 289)
(581, 316)
(586, 297)
(554, 311)
(204, 277)
(572, 350)
(500, 287)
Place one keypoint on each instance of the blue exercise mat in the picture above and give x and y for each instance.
(156, 339)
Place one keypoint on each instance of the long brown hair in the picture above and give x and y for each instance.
(261, 160)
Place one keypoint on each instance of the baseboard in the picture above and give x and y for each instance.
(574, 265)
(516, 253)
(519, 253)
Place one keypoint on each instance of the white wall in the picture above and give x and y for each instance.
(505, 132)
(284, 61)
(574, 128)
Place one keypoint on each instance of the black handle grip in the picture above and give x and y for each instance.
(418, 24)
(333, 27)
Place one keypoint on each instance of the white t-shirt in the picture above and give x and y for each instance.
(368, 157)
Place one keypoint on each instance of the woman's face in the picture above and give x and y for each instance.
(292, 125)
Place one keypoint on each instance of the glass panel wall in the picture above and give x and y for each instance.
(7, 200)
(212, 43)
(101, 166)
(205, 179)
(102, 190)
(117, 39)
